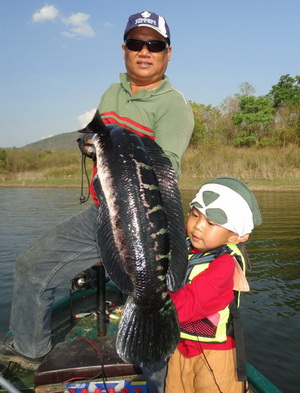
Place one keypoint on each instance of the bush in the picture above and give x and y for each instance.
(244, 163)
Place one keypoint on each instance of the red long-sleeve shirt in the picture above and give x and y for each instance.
(209, 292)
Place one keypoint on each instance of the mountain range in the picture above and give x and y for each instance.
(65, 141)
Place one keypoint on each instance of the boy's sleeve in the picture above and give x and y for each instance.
(209, 292)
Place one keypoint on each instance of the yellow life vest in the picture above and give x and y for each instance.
(213, 328)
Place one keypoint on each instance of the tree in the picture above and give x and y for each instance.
(3, 155)
(252, 119)
(211, 127)
(246, 90)
(287, 125)
(286, 92)
(231, 104)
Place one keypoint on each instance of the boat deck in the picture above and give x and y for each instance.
(83, 362)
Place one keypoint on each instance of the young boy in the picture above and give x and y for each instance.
(223, 214)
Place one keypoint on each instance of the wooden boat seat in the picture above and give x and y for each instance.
(87, 358)
(79, 359)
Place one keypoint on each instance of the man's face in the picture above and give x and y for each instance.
(144, 67)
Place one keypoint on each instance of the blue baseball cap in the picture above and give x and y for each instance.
(148, 19)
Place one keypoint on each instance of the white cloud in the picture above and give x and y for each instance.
(78, 26)
(67, 34)
(107, 25)
(86, 117)
(49, 12)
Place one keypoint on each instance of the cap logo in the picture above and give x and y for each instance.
(215, 214)
(145, 19)
(146, 14)
(209, 197)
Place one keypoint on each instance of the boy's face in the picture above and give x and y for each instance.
(204, 233)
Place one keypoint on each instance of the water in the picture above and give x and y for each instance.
(270, 311)
(25, 215)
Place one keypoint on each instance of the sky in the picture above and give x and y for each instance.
(59, 56)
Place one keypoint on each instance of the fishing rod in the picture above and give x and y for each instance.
(8, 386)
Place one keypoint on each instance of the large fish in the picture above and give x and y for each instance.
(141, 238)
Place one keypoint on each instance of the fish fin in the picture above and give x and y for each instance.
(173, 208)
(95, 126)
(147, 336)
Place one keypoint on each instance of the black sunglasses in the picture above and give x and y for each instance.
(153, 46)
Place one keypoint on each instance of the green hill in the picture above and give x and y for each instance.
(65, 141)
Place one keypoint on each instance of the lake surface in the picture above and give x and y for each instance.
(270, 311)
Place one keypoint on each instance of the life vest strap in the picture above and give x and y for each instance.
(239, 341)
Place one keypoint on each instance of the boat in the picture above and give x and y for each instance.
(84, 357)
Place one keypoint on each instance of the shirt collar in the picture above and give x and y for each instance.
(143, 93)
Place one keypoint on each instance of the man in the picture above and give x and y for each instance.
(145, 102)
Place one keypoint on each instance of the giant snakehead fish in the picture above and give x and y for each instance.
(141, 238)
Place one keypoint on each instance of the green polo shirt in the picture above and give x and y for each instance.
(162, 114)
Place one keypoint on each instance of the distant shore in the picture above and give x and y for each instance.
(185, 184)
(261, 169)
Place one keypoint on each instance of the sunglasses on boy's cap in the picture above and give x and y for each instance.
(152, 46)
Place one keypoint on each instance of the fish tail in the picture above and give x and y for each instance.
(147, 336)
